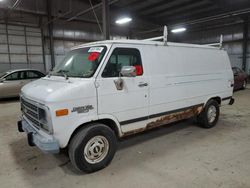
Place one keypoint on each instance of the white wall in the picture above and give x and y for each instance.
(20, 47)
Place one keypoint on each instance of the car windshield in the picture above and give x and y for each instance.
(2, 74)
(80, 63)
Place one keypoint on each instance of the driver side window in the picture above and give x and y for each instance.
(123, 57)
(12, 76)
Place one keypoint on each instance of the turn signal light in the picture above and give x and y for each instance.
(62, 112)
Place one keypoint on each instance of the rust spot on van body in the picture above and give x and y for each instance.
(166, 119)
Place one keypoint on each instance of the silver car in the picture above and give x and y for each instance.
(12, 81)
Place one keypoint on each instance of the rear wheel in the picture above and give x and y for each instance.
(92, 148)
(210, 114)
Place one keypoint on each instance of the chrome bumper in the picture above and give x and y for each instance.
(47, 145)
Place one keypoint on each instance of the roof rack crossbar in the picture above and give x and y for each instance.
(154, 38)
(219, 44)
(164, 37)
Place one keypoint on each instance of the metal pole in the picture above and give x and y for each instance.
(26, 46)
(43, 42)
(105, 19)
(50, 28)
(43, 48)
(245, 43)
(8, 44)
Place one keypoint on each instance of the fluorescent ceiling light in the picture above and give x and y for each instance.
(178, 30)
(123, 20)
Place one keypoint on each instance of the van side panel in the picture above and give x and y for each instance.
(186, 76)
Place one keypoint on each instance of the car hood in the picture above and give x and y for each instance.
(58, 89)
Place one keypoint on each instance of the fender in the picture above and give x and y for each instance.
(64, 139)
(217, 98)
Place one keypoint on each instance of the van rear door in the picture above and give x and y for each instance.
(130, 104)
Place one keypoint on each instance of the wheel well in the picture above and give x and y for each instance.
(111, 124)
(108, 122)
(218, 99)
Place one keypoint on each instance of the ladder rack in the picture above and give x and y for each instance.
(220, 44)
(164, 37)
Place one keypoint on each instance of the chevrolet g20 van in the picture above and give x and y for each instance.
(107, 90)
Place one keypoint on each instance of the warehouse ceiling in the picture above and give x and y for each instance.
(175, 11)
(148, 15)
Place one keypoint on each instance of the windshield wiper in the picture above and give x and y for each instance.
(63, 73)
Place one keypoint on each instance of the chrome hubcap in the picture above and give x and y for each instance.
(211, 114)
(96, 149)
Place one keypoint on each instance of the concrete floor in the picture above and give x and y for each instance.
(180, 155)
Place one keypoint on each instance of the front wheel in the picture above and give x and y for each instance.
(210, 114)
(92, 148)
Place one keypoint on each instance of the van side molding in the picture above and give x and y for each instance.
(165, 118)
(162, 114)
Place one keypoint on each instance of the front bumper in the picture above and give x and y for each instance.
(46, 144)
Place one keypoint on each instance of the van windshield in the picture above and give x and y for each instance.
(80, 63)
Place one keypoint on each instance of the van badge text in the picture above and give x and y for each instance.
(83, 109)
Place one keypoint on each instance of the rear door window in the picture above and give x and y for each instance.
(33, 75)
(22, 75)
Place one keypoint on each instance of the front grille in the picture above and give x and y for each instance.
(31, 112)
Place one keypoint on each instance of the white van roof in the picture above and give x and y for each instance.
(144, 42)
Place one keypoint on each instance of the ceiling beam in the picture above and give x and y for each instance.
(199, 11)
(127, 3)
(99, 5)
(162, 5)
(189, 6)
(143, 5)
(187, 15)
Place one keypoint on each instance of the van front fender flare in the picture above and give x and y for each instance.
(86, 120)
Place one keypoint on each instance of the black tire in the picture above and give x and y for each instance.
(244, 85)
(81, 139)
(203, 118)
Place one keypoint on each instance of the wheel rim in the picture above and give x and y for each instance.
(211, 114)
(96, 149)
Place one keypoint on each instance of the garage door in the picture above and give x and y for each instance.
(20, 47)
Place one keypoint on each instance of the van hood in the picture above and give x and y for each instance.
(58, 89)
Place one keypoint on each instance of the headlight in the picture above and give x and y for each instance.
(43, 119)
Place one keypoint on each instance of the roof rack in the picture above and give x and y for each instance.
(220, 44)
(164, 37)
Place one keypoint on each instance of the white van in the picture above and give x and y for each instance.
(107, 90)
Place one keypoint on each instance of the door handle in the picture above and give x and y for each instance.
(143, 84)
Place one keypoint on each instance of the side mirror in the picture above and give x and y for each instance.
(128, 71)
